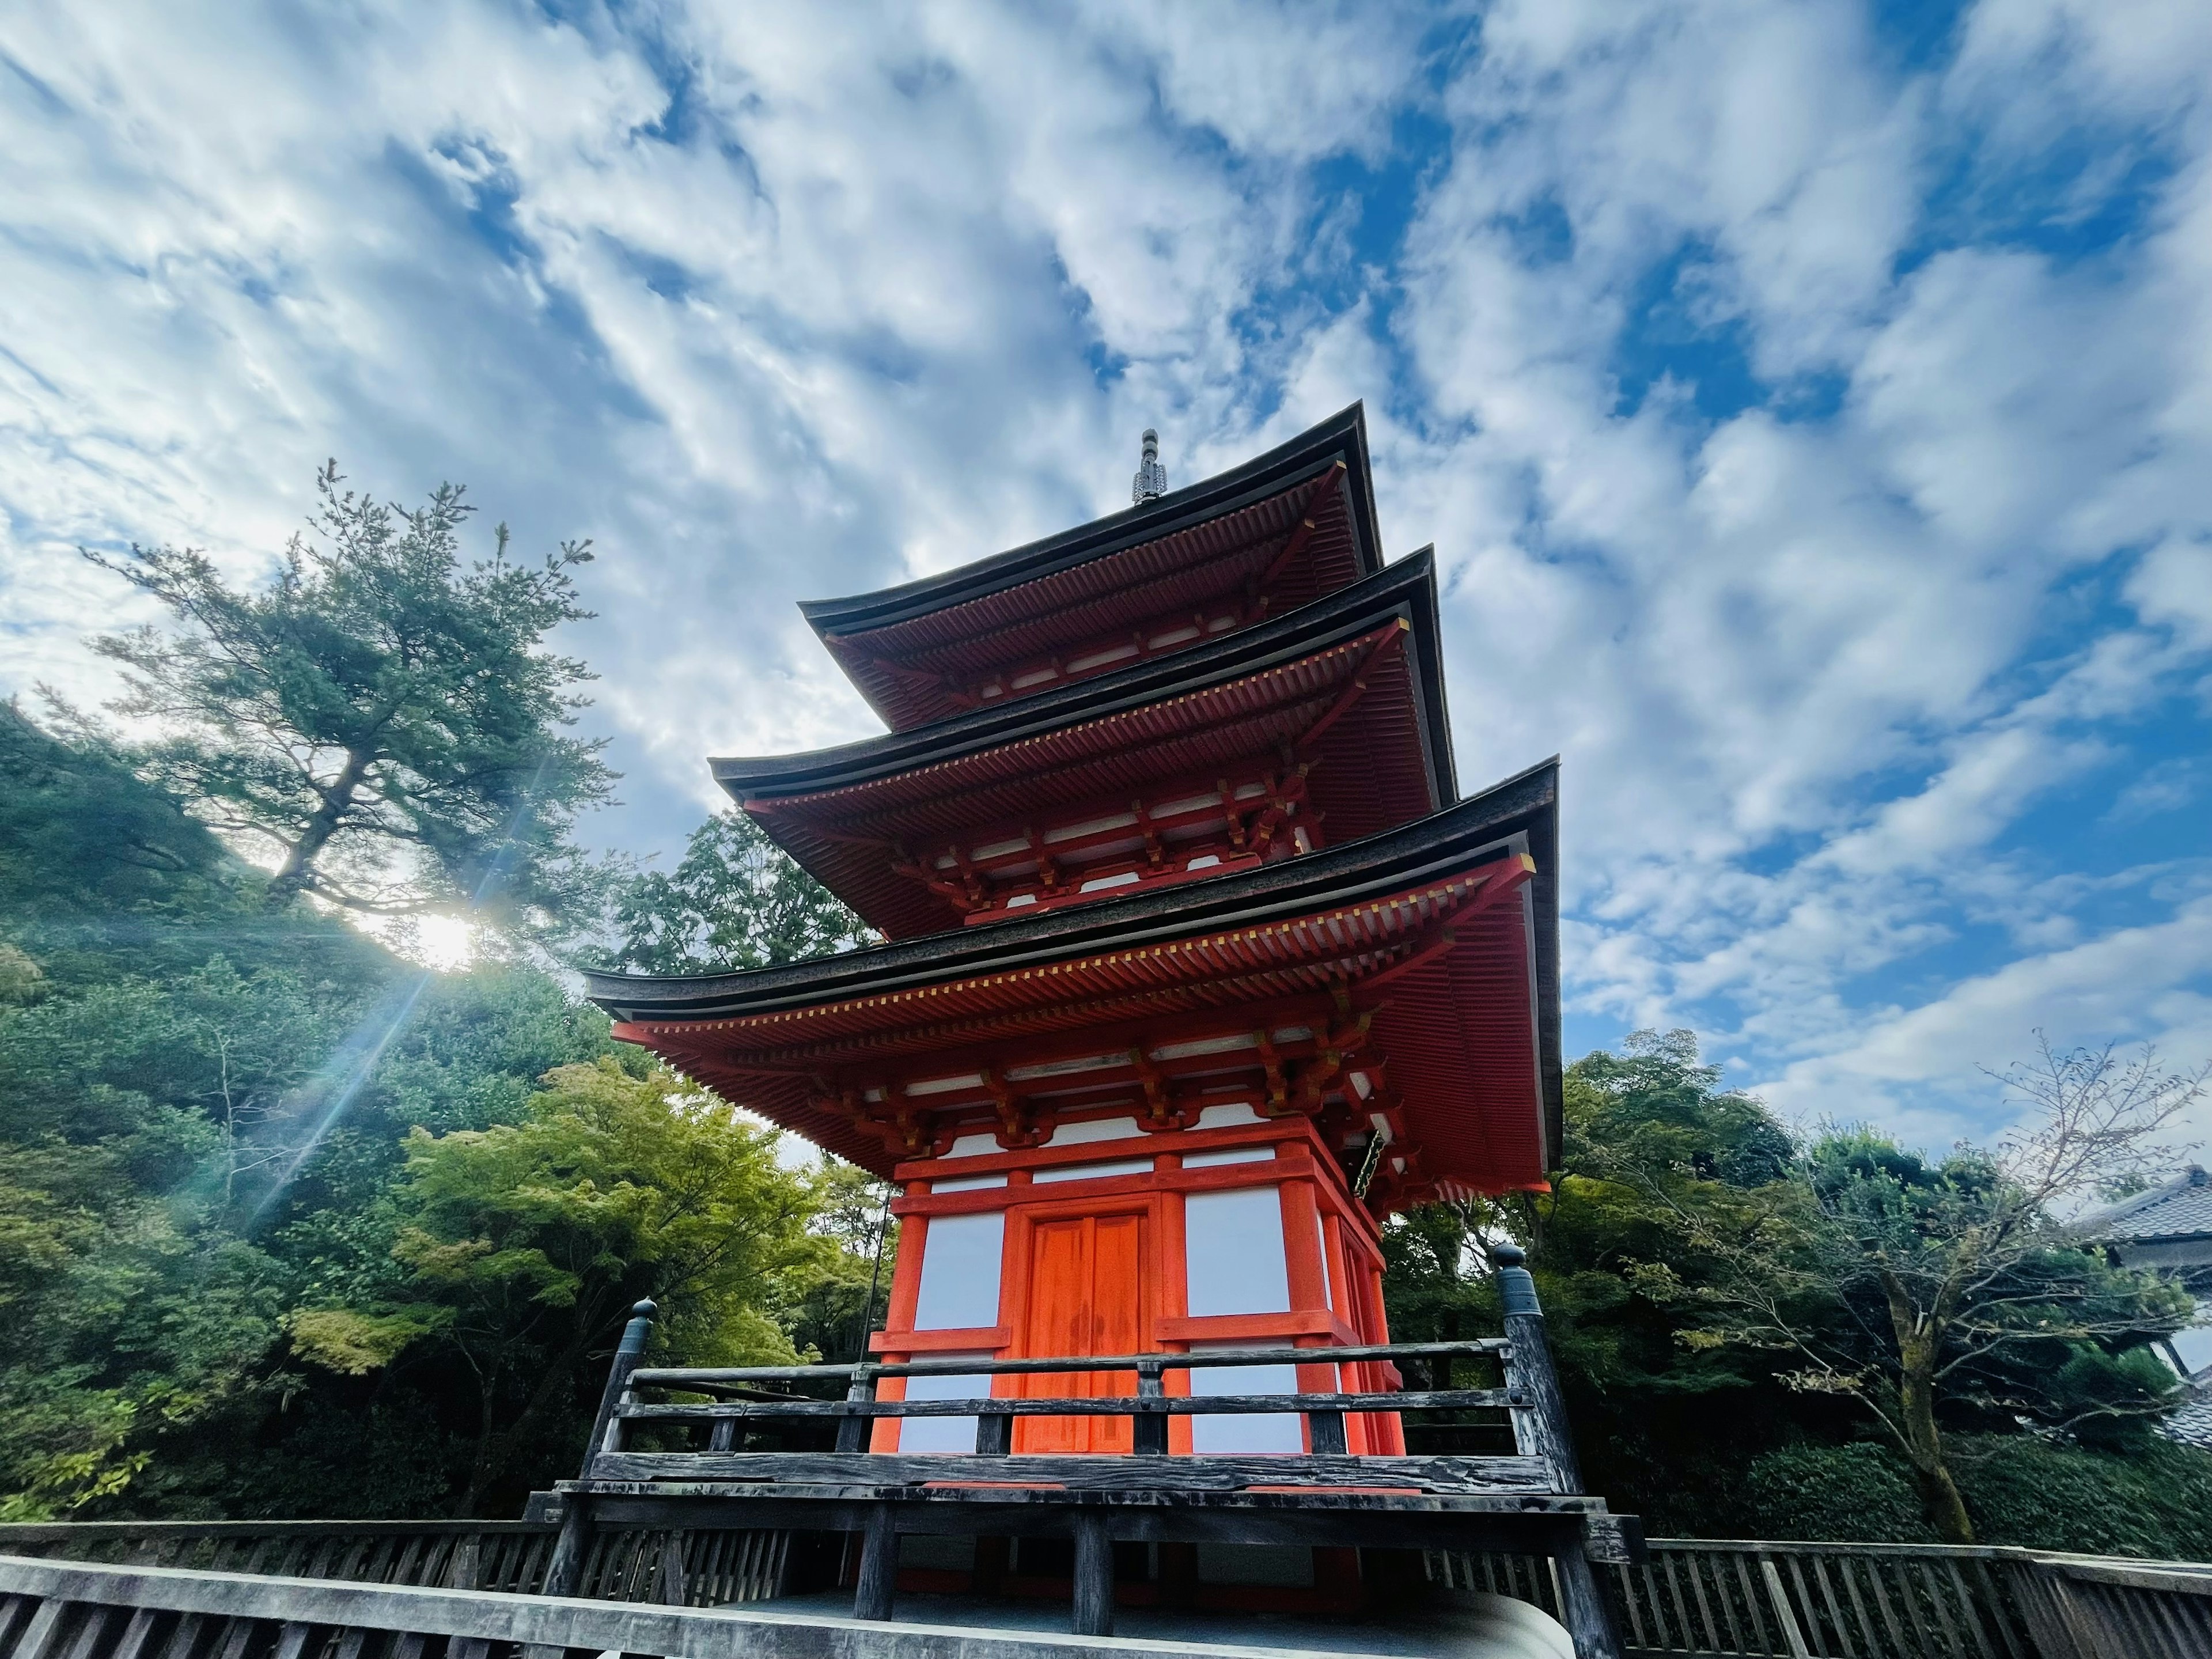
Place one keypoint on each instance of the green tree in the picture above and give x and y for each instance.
(1612, 1264)
(833, 1302)
(520, 1249)
(734, 899)
(1952, 1290)
(382, 720)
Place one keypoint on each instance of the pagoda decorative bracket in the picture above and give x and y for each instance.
(1392, 638)
(1015, 1131)
(1160, 1110)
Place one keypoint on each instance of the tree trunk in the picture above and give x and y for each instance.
(297, 870)
(496, 1449)
(481, 1467)
(1919, 1344)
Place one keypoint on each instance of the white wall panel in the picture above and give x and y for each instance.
(1244, 1434)
(1233, 1251)
(960, 1272)
(942, 1434)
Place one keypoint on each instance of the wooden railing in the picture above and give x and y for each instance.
(1692, 1599)
(697, 1566)
(747, 1403)
(52, 1609)
(704, 1453)
(1699, 1599)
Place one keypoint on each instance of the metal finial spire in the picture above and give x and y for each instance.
(1152, 480)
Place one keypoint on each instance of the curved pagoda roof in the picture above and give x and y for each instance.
(1348, 692)
(1280, 531)
(1442, 935)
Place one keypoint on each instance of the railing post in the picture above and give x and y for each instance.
(1540, 1430)
(1093, 1612)
(878, 1575)
(853, 1431)
(565, 1569)
(1148, 1431)
(609, 1432)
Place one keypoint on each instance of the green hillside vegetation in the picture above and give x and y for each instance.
(1731, 1369)
(289, 1227)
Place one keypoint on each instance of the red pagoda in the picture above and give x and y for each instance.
(1196, 964)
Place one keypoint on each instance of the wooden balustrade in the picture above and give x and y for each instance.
(1701, 1599)
(1691, 1599)
(693, 1566)
(58, 1609)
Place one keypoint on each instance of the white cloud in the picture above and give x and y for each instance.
(777, 304)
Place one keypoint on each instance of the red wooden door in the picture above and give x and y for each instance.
(1085, 1297)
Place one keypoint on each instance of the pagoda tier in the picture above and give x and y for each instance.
(1322, 725)
(1278, 532)
(1395, 994)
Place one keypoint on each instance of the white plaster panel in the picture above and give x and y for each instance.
(1233, 1253)
(1229, 1155)
(942, 1434)
(1266, 1433)
(960, 1260)
(1125, 1166)
(1225, 1117)
(1097, 1129)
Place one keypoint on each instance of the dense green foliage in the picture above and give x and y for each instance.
(733, 900)
(380, 718)
(1680, 1205)
(288, 1226)
(2155, 1500)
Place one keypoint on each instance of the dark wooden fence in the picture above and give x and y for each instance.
(705, 1566)
(1696, 1599)
(56, 1609)
(1692, 1599)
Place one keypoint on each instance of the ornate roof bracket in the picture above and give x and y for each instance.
(1015, 1129)
(1297, 544)
(1390, 642)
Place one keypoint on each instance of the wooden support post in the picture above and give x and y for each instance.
(725, 1436)
(137, 1635)
(1582, 1605)
(462, 1571)
(672, 1587)
(609, 1432)
(565, 1571)
(853, 1431)
(994, 1434)
(1148, 1431)
(1326, 1430)
(878, 1577)
(1540, 1429)
(1094, 1574)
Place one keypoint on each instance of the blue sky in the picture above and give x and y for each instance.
(1811, 406)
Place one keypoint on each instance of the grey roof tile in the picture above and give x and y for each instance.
(2179, 1209)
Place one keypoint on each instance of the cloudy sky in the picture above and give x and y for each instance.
(1811, 404)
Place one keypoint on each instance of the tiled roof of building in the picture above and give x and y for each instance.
(2182, 1208)
(2192, 1424)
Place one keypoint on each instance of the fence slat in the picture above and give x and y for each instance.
(1846, 1648)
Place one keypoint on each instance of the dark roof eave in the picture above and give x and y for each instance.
(1344, 432)
(1521, 810)
(1406, 588)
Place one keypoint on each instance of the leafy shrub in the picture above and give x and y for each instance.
(2154, 1500)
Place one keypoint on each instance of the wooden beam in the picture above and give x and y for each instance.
(1108, 1471)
